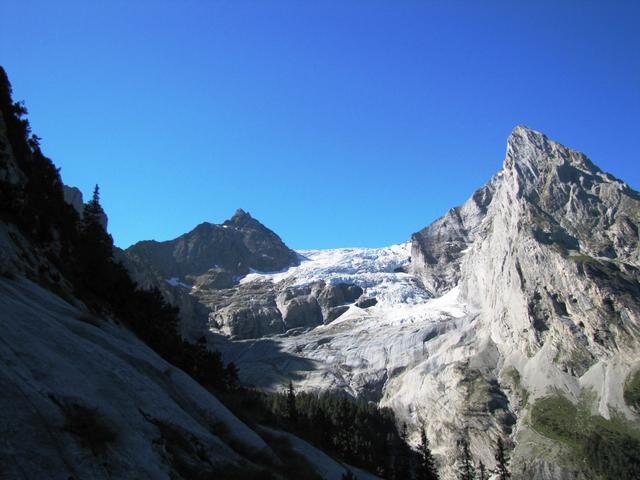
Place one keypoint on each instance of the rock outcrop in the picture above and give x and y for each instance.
(264, 308)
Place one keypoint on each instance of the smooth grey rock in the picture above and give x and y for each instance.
(299, 308)
(252, 320)
(337, 294)
(245, 311)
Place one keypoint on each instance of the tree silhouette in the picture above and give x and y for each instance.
(402, 453)
(501, 461)
(482, 471)
(427, 467)
(348, 475)
(466, 470)
(292, 411)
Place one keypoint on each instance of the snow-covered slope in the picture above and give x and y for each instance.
(377, 270)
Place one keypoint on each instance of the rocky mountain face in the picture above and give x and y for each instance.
(212, 255)
(546, 255)
(507, 315)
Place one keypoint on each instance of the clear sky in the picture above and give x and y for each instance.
(335, 123)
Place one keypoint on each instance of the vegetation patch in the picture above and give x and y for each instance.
(352, 431)
(632, 391)
(581, 258)
(610, 448)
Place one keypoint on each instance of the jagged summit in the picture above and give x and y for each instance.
(221, 251)
(242, 219)
(545, 188)
(240, 213)
(532, 155)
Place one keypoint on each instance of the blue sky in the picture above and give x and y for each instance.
(337, 123)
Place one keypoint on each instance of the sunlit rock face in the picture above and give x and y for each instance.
(547, 256)
(529, 289)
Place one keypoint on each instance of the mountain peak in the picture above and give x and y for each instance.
(240, 213)
(239, 218)
(527, 146)
(531, 155)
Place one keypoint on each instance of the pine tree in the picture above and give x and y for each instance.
(482, 471)
(93, 211)
(401, 464)
(92, 230)
(466, 470)
(94, 251)
(231, 378)
(427, 468)
(292, 411)
(501, 461)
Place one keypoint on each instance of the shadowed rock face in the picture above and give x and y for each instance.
(436, 250)
(219, 252)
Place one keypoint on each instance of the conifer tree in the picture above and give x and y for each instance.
(292, 411)
(482, 471)
(466, 470)
(501, 461)
(94, 251)
(402, 466)
(427, 468)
